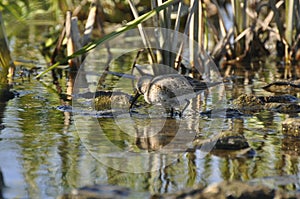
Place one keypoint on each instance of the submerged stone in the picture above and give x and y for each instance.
(237, 189)
(98, 192)
(233, 142)
(291, 127)
(226, 141)
(291, 145)
(282, 87)
(232, 154)
(287, 108)
(279, 99)
(110, 100)
(225, 190)
(279, 103)
(223, 113)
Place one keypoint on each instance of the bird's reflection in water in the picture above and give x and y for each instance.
(163, 135)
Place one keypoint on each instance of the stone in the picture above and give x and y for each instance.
(111, 100)
(223, 113)
(282, 87)
(291, 145)
(231, 142)
(98, 192)
(224, 190)
(291, 127)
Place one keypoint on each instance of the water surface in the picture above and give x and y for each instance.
(44, 152)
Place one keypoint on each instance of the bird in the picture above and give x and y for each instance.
(169, 90)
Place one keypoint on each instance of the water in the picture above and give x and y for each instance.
(45, 152)
(42, 155)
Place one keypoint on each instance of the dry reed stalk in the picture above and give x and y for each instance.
(89, 25)
(145, 40)
(73, 40)
(7, 65)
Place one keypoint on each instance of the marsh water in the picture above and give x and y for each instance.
(46, 152)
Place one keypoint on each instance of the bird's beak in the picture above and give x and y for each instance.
(134, 99)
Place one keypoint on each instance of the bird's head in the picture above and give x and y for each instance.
(143, 83)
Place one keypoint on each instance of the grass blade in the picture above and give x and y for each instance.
(142, 33)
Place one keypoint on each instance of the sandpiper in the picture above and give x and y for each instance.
(170, 90)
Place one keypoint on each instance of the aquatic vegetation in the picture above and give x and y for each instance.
(231, 32)
(241, 37)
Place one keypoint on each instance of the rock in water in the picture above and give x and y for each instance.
(282, 87)
(291, 127)
(98, 192)
(225, 190)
